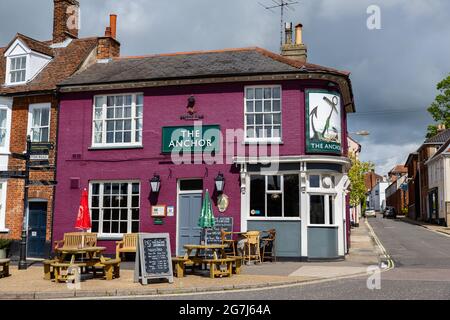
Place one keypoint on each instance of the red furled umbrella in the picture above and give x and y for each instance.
(83, 218)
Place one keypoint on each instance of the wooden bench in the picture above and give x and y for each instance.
(179, 266)
(215, 267)
(61, 270)
(48, 269)
(77, 240)
(237, 264)
(127, 245)
(111, 268)
(4, 263)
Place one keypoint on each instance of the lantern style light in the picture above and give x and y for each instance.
(220, 182)
(155, 183)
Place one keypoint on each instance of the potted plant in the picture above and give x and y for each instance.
(4, 245)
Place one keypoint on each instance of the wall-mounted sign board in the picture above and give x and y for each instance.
(153, 258)
(158, 211)
(205, 138)
(323, 122)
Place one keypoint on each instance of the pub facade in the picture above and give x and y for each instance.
(264, 133)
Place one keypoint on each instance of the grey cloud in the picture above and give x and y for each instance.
(394, 68)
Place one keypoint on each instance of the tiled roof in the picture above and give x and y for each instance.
(64, 63)
(400, 168)
(440, 138)
(230, 62)
(35, 45)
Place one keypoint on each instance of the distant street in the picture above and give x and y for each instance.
(422, 271)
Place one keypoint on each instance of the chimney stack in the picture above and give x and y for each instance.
(108, 46)
(441, 127)
(65, 20)
(297, 50)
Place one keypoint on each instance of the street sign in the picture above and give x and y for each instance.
(42, 145)
(20, 156)
(42, 183)
(12, 174)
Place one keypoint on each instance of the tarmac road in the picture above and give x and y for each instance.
(422, 271)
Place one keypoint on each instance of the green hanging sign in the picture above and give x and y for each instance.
(323, 122)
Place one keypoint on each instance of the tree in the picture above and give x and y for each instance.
(440, 108)
(356, 176)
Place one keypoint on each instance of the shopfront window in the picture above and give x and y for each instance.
(115, 207)
(118, 120)
(275, 196)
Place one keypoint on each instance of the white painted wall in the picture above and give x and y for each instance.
(378, 196)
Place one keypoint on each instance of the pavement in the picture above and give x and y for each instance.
(364, 252)
(426, 225)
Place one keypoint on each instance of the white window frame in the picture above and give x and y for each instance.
(265, 217)
(4, 185)
(271, 140)
(322, 191)
(31, 108)
(326, 209)
(10, 71)
(104, 144)
(113, 236)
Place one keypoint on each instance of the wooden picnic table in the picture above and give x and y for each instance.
(90, 252)
(199, 247)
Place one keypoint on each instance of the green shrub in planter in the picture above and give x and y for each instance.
(4, 245)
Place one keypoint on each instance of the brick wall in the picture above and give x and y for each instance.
(62, 19)
(108, 48)
(15, 187)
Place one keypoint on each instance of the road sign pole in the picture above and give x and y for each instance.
(23, 243)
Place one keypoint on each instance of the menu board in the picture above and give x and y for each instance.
(153, 259)
(212, 236)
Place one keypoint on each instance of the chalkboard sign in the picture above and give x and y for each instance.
(153, 258)
(212, 236)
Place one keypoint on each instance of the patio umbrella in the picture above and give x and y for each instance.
(83, 218)
(206, 219)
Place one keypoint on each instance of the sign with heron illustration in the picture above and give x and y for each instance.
(323, 122)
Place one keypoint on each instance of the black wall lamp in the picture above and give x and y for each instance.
(220, 182)
(155, 183)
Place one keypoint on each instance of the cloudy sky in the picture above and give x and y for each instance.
(394, 69)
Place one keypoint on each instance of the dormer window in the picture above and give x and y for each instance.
(25, 59)
(18, 69)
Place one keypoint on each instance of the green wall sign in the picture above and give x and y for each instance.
(204, 138)
(323, 122)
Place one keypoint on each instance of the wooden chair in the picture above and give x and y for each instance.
(128, 244)
(111, 268)
(227, 240)
(268, 246)
(251, 249)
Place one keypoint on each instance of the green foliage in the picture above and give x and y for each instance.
(440, 108)
(356, 176)
(5, 243)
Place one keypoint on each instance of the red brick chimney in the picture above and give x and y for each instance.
(65, 20)
(108, 46)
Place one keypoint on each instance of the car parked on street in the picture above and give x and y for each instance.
(370, 213)
(390, 212)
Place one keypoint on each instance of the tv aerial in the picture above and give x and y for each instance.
(282, 4)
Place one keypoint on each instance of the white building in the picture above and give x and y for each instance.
(439, 186)
(377, 196)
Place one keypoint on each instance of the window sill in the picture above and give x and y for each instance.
(273, 219)
(248, 142)
(113, 147)
(4, 230)
(109, 237)
(322, 226)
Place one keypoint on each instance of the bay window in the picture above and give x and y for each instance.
(114, 207)
(118, 120)
(275, 196)
(263, 113)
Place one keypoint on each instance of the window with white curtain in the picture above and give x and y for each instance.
(17, 69)
(118, 120)
(39, 122)
(3, 126)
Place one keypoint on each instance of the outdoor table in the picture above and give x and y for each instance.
(90, 252)
(199, 247)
